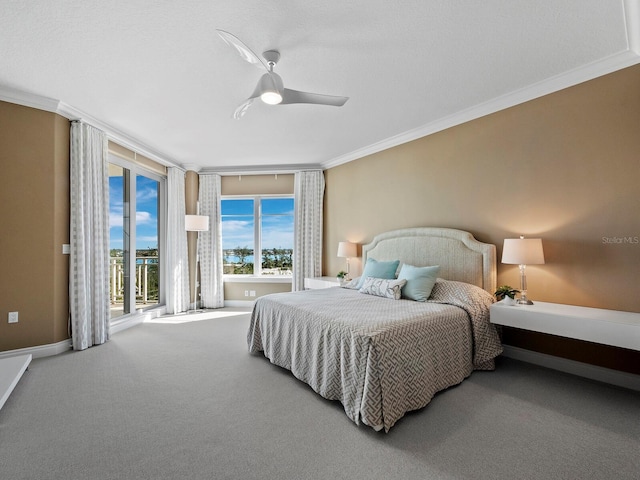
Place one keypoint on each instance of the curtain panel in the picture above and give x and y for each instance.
(307, 251)
(89, 235)
(210, 243)
(178, 293)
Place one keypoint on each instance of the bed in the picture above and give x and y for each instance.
(382, 357)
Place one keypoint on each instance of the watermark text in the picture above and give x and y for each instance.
(631, 240)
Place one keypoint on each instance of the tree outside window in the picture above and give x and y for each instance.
(258, 220)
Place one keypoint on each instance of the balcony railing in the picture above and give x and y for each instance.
(146, 277)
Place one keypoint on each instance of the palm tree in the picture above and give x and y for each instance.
(242, 253)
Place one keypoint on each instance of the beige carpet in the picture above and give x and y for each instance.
(184, 399)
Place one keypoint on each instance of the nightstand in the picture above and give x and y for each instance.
(608, 327)
(313, 283)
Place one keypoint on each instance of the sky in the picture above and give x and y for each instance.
(238, 223)
(146, 213)
(237, 218)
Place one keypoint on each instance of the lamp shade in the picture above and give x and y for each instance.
(347, 250)
(196, 223)
(523, 251)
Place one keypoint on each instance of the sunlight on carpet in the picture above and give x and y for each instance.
(199, 315)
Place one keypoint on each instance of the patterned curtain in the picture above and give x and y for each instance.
(210, 243)
(307, 251)
(89, 233)
(177, 251)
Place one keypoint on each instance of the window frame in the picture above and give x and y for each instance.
(132, 170)
(257, 240)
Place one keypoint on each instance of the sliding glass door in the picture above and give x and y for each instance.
(136, 230)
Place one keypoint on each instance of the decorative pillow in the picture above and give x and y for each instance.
(376, 269)
(420, 281)
(382, 287)
(351, 284)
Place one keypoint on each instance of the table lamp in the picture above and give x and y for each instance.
(347, 250)
(523, 251)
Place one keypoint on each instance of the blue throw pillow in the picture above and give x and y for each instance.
(420, 281)
(376, 269)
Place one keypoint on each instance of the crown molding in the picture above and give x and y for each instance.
(116, 135)
(261, 169)
(192, 167)
(27, 99)
(540, 89)
(582, 74)
(32, 100)
(632, 18)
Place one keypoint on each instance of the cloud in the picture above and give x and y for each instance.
(116, 218)
(277, 239)
(237, 241)
(236, 225)
(145, 218)
(146, 194)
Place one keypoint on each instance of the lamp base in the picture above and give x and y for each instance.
(524, 301)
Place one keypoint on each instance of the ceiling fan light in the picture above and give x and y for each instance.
(270, 86)
(271, 98)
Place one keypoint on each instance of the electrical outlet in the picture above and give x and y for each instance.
(252, 293)
(13, 317)
(246, 293)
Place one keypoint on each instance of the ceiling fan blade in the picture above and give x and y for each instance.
(244, 51)
(294, 96)
(242, 109)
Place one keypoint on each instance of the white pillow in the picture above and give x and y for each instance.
(382, 287)
(352, 284)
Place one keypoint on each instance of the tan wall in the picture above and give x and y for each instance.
(34, 220)
(235, 291)
(136, 158)
(565, 167)
(280, 184)
(191, 204)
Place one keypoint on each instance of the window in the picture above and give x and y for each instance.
(134, 238)
(262, 221)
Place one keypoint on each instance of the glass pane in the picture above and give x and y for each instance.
(117, 276)
(147, 274)
(234, 206)
(237, 236)
(277, 206)
(277, 235)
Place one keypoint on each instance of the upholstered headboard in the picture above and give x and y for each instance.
(461, 257)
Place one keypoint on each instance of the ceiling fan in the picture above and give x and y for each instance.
(270, 88)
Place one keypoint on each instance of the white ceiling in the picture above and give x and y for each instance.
(157, 77)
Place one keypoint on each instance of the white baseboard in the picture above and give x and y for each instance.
(40, 350)
(594, 372)
(124, 324)
(239, 303)
(137, 318)
(61, 347)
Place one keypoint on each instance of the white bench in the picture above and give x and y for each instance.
(11, 370)
(609, 327)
